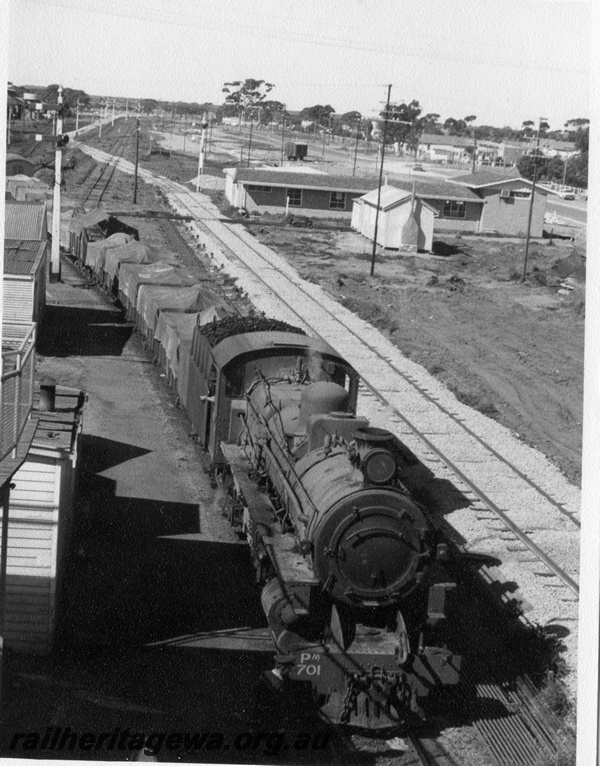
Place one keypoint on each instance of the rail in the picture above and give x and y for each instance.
(16, 387)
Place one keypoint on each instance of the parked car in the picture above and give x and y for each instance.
(566, 195)
(418, 168)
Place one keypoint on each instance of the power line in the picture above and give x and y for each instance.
(257, 30)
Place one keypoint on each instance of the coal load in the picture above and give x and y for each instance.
(215, 332)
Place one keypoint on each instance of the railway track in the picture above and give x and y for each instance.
(99, 179)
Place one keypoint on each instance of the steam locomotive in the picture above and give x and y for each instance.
(356, 586)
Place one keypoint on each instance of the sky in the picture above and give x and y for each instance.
(505, 61)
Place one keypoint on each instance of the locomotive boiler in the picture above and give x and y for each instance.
(356, 586)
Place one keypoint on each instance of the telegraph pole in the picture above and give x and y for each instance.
(201, 156)
(55, 254)
(282, 139)
(76, 118)
(135, 172)
(112, 122)
(250, 139)
(356, 147)
(529, 216)
(385, 122)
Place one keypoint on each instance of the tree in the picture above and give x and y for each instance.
(148, 105)
(318, 113)
(527, 163)
(272, 111)
(246, 94)
(70, 98)
(351, 118)
(404, 125)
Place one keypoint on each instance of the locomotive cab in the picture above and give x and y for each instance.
(221, 374)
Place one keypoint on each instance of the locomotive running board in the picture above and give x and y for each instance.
(290, 564)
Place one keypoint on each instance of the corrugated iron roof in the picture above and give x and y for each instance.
(26, 221)
(268, 177)
(488, 178)
(23, 256)
(439, 190)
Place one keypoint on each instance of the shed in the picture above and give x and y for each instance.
(506, 200)
(395, 207)
(40, 524)
(17, 165)
(24, 280)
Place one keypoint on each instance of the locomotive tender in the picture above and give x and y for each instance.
(356, 588)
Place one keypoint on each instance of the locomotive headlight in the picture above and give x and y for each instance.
(378, 466)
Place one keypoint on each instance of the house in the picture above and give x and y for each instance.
(41, 521)
(448, 149)
(506, 199)
(553, 148)
(280, 190)
(394, 225)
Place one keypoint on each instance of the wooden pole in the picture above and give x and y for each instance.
(387, 109)
(55, 253)
(135, 172)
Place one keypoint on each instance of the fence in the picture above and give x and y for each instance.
(16, 387)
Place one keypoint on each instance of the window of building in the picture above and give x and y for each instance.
(294, 197)
(259, 188)
(337, 201)
(520, 194)
(454, 209)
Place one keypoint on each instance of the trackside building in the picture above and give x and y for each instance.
(271, 190)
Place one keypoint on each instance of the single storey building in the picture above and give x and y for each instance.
(277, 190)
(506, 200)
(448, 149)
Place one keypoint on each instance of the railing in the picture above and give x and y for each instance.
(16, 387)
